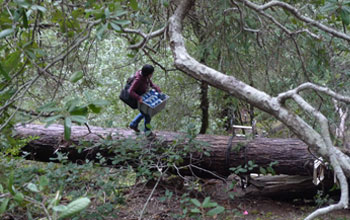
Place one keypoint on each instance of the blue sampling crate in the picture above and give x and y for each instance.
(152, 102)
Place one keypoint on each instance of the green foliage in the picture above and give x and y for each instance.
(76, 76)
(51, 190)
(73, 208)
(72, 111)
(322, 199)
(36, 195)
(195, 209)
(269, 169)
(249, 167)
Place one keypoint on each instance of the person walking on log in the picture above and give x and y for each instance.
(139, 86)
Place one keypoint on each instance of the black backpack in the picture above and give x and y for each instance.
(125, 96)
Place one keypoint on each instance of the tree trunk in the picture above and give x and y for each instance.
(204, 107)
(291, 155)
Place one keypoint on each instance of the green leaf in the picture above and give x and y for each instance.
(95, 109)
(6, 32)
(101, 30)
(262, 170)
(166, 3)
(345, 17)
(78, 110)
(22, 3)
(346, 8)
(12, 61)
(76, 76)
(115, 26)
(32, 187)
(196, 202)
(122, 22)
(4, 205)
(133, 4)
(207, 204)
(52, 119)
(75, 207)
(119, 13)
(49, 107)
(19, 197)
(59, 208)
(72, 104)
(96, 105)
(25, 19)
(67, 128)
(10, 186)
(30, 53)
(107, 13)
(43, 182)
(1, 189)
(215, 211)
(206, 153)
(273, 163)
(4, 73)
(79, 119)
(38, 7)
(329, 7)
(195, 210)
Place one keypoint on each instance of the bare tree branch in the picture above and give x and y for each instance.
(283, 96)
(144, 36)
(295, 12)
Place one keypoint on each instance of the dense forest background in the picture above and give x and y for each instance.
(65, 62)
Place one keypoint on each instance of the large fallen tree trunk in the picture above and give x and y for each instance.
(291, 155)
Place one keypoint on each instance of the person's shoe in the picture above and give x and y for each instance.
(135, 129)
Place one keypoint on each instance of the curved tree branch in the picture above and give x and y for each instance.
(145, 37)
(308, 85)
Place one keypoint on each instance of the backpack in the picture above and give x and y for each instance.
(125, 96)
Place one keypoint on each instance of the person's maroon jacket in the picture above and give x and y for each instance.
(140, 85)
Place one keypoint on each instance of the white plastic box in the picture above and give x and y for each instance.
(148, 108)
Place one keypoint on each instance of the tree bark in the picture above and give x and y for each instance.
(204, 107)
(292, 155)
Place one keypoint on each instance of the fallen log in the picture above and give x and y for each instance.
(291, 155)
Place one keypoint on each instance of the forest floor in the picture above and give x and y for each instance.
(165, 206)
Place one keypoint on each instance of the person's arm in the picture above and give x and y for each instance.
(134, 85)
(154, 86)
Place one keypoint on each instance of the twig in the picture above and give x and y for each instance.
(208, 171)
(151, 194)
(28, 199)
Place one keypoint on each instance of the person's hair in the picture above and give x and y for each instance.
(147, 70)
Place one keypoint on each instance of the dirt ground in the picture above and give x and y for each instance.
(242, 208)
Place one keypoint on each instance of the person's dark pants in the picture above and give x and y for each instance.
(138, 118)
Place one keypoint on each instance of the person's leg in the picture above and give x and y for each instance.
(147, 122)
(135, 123)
